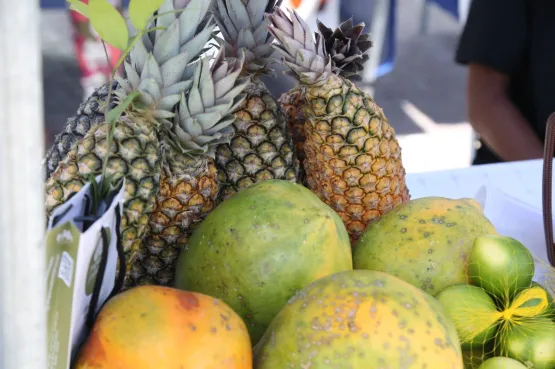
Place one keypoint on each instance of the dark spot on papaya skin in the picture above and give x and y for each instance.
(188, 301)
(143, 315)
(234, 234)
(192, 327)
(403, 230)
(213, 329)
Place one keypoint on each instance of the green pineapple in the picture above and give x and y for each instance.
(262, 147)
(160, 69)
(189, 183)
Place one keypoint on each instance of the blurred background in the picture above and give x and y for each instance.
(415, 80)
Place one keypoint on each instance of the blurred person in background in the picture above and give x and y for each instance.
(95, 69)
(508, 48)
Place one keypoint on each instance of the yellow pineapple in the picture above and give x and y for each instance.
(353, 159)
(347, 46)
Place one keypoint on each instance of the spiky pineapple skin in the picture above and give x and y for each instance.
(89, 114)
(292, 102)
(353, 159)
(261, 147)
(188, 190)
(135, 153)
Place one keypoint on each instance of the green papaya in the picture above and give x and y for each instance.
(260, 246)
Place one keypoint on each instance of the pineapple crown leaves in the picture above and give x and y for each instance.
(205, 111)
(194, 24)
(161, 65)
(158, 57)
(307, 59)
(347, 47)
(159, 85)
(245, 30)
(189, 32)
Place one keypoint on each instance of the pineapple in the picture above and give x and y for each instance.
(353, 159)
(91, 111)
(160, 69)
(347, 46)
(262, 147)
(189, 183)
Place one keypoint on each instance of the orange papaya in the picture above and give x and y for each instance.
(360, 319)
(161, 327)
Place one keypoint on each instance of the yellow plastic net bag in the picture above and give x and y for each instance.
(506, 309)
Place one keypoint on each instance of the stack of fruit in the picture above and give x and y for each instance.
(239, 257)
(501, 311)
(194, 136)
(278, 260)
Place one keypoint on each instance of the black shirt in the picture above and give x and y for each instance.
(517, 38)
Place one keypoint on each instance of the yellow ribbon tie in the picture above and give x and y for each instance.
(516, 308)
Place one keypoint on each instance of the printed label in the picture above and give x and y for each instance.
(66, 269)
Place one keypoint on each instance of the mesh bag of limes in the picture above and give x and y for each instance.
(505, 314)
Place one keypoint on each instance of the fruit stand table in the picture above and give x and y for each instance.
(521, 180)
(510, 193)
